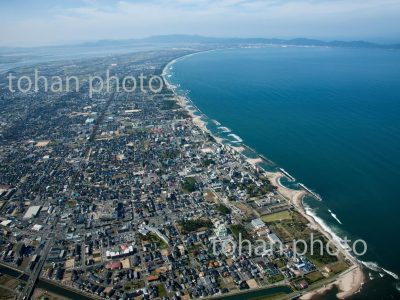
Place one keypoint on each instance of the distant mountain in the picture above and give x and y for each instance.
(185, 40)
(196, 39)
(178, 38)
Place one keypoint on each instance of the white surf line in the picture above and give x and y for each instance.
(236, 137)
(369, 265)
(321, 222)
(375, 267)
(335, 217)
(216, 122)
(398, 287)
(224, 129)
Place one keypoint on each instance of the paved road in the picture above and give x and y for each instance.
(30, 284)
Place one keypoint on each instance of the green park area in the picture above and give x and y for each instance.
(313, 277)
(278, 216)
(195, 225)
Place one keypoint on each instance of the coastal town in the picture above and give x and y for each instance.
(129, 196)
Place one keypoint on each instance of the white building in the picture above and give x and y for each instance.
(257, 223)
(221, 231)
(266, 201)
(32, 212)
(274, 239)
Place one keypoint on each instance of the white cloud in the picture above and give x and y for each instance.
(92, 20)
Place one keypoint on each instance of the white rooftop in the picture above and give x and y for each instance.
(31, 212)
(257, 223)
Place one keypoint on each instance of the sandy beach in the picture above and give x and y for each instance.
(350, 282)
(295, 196)
(254, 161)
(317, 292)
(238, 149)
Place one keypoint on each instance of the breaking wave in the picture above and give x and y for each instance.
(397, 286)
(216, 122)
(375, 267)
(224, 129)
(325, 227)
(335, 217)
(370, 265)
(236, 137)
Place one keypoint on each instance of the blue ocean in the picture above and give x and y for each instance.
(328, 116)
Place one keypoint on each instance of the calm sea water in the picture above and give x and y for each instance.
(330, 117)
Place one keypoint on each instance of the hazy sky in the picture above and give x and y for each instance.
(44, 22)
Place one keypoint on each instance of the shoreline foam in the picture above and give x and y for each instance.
(335, 217)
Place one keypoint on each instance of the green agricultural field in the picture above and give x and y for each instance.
(282, 215)
(276, 278)
(189, 185)
(195, 225)
(223, 209)
(339, 267)
(161, 290)
(313, 277)
(280, 263)
(134, 285)
(236, 229)
(152, 237)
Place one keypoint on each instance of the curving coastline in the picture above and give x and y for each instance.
(350, 281)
